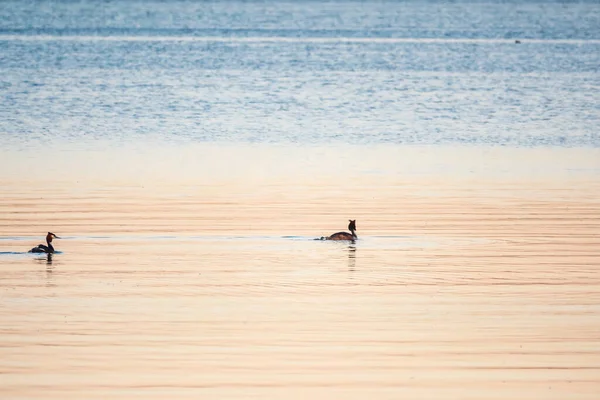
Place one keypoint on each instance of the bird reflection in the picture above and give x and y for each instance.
(49, 270)
(352, 257)
(47, 258)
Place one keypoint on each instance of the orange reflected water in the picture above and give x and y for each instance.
(192, 273)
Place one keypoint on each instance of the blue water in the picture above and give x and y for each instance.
(306, 72)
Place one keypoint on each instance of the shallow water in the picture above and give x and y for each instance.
(458, 284)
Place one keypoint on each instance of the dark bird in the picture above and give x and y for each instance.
(43, 248)
(345, 235)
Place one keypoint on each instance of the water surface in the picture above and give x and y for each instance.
(211, 284)
(189, 153)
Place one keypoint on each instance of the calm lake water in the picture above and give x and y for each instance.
(415, 72)
(188, 154)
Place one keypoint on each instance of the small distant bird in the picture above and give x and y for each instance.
(345, 235)
(45, 249)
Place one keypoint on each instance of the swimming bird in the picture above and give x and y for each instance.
(345, 235)
(45, 249)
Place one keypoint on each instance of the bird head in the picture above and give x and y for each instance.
(50, 236)
(352, 225)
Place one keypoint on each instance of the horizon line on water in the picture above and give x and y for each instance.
(285, 39)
